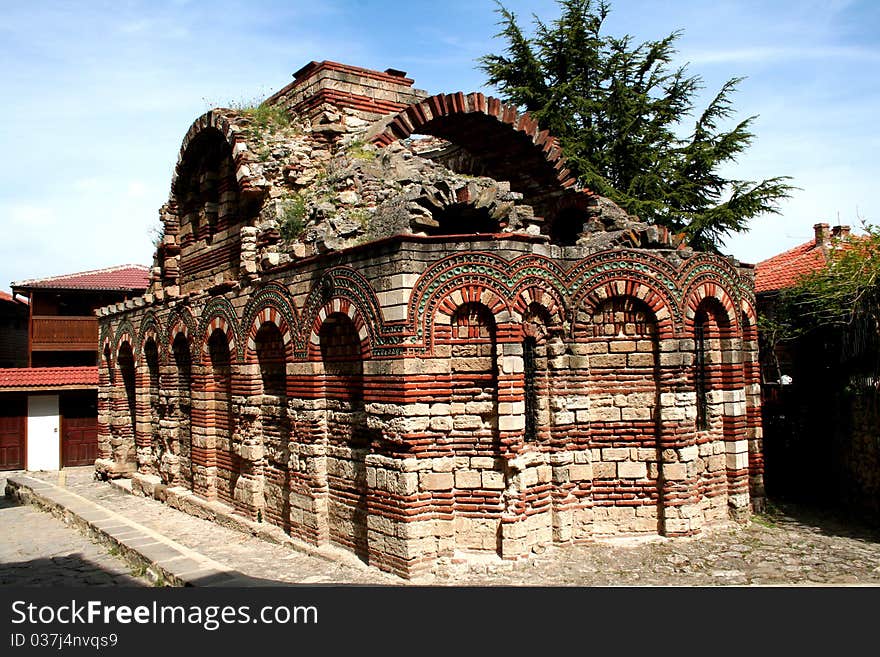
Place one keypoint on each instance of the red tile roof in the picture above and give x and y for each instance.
(783, 270)
(6, 297)
(121, 277)
(48, 378)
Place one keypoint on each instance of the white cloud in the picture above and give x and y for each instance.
(760, 54)
(31, 215)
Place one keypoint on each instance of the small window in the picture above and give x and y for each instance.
(531, 388)
(700, 385)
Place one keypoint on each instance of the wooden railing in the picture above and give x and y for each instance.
(53, 333)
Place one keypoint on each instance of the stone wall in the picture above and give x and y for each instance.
(377, 398)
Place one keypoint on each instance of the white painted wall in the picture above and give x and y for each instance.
(43, 433)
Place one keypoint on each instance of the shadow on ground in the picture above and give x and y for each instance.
(827, 520)
(67, 570)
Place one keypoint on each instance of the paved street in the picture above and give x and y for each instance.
(790, 547)
(37, 549)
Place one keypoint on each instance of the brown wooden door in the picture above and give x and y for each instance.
(13, 421)
(80, 441)
(79, 429)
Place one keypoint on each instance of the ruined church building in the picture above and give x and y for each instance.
(394, 322)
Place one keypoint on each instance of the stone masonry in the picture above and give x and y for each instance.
(394, 322)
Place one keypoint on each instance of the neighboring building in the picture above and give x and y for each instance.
(817, 406)
(782, 272)
(415, 347)
(48, 394)
(63, 329)
(13, 331)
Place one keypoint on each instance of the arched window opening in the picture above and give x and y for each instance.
(275, 422)
(530, 347)
(126, 371)
(701, 386)
(183, 410)
(536, 383)
(220, 420)
(151, 356)
(270, 355)
(348, 439)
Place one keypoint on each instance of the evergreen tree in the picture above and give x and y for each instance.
(617, 107)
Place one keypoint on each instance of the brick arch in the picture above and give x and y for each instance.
(125, 338)
(125, 333)
(267, 315)
(223, 123)
(342, 283)
(511, 144)
(709, 292)
(748, 311)
(543, 295)
(180, 321)
(105, 336)
(488, 295)
(218, 323)
(339, 305)
(443, 276)
(219, 314)
(658, 303)
(277, 298)
(151, 328)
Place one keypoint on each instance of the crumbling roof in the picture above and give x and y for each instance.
(48, 378)
(121, 277)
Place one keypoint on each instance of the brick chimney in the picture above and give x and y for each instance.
(840, 232)
(823, 235)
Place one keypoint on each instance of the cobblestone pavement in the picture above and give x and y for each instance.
(791, 546)
(37, 549)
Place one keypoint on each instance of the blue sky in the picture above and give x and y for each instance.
(99, 96)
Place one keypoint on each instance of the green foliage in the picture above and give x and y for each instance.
(617, 109)
(292, 221)
(263, 116)
(844, 295)
(361, 216)
(266, 116)
(358, 150)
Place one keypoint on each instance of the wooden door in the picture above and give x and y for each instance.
(13, 420)
(79, 429)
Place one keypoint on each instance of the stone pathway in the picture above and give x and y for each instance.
(779, 549)
(789, 547)
(37, 549)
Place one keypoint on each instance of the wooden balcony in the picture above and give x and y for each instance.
(55, 333)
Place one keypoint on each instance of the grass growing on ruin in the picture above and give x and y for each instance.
(292, 219)
(268, 116)
(359, 150)
(361, 216)
(263, 116)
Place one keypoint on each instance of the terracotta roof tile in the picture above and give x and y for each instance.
(783, 270)
(47, 378)
(122, 277)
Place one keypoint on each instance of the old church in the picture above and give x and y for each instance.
(395, 323)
